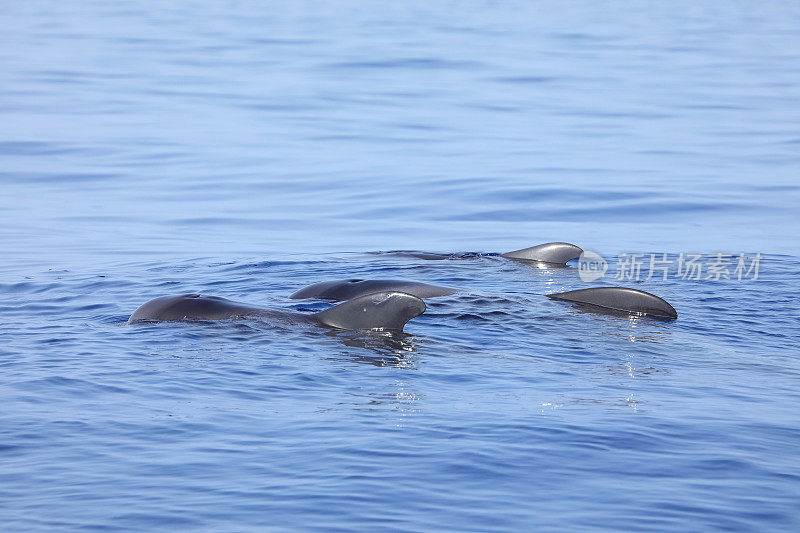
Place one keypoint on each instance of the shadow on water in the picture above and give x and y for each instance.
(377, 348)
(627, 316)
(614, 331)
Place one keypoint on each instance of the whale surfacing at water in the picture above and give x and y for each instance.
(619, 299)
(346, 289)
(553, 253)
(386, 310)
(549, 254)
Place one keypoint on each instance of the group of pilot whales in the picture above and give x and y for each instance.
(387, 304)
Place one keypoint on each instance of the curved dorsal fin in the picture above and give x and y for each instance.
(619, 299)
(549, 252)
(387, 310)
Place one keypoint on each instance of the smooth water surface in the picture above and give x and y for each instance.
(247, 150)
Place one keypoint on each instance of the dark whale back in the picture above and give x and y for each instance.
(622, 299)
(191, 307)
(387, 310)
(347, 289)
(552, 253)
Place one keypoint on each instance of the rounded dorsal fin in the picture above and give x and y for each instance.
(387, 310)
(549, 252)
(619, 299)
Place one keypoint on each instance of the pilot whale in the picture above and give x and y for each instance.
(347, 289)
(619, 299)
(615, 299)
(385, 310)
(554, 254)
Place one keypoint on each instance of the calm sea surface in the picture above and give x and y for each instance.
(247, 150)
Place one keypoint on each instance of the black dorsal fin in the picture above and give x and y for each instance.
(550, 252)
(388, 310)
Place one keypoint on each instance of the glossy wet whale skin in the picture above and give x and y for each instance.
(385, 310)
(622, 299)
(347, 289)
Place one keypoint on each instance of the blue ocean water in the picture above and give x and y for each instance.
(247, 150)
